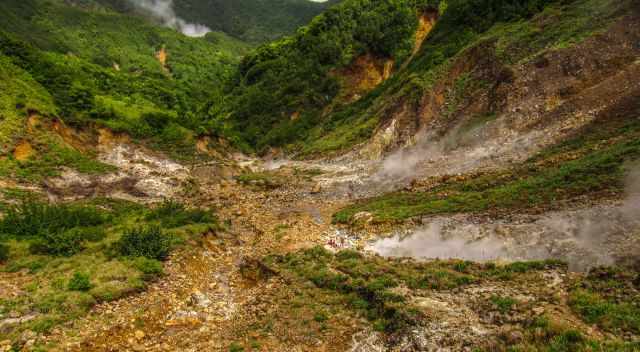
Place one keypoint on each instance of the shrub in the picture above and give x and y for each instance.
(504, 304)
(79, 282)
(90, 234)
(150, 268)
(4, 252)
(173, 214)
(157, 120)
(63, 243)
(149, 242)
(32, 218)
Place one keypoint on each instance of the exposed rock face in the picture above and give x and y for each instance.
(162, 56)
(23, 151)
(426, 21)
(364, 74)
(532, 104)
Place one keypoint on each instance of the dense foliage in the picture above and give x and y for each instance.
(297, 74)
(250, 20)
(96, 65)
(80, 253)
(149, 242)
(35, 219)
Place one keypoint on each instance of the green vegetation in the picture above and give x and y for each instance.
(366, 284)
(77, 254)
(31, 218)
(599, 155)
(174, 214)
(609, 298)
(79, 282)
(545, 335)
(298, 74)
(148, 242)
(251, 20)
(504, 304)
(263, 180)
(53, 62)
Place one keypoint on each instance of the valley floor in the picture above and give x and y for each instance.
(221, 294)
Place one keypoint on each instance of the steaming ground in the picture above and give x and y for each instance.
(163, 10)
(604, 234)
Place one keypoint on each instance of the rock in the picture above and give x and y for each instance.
(199, 299)
(139, 335)
(538, 310)
(27, 335)
(316, 189)
(363, 216)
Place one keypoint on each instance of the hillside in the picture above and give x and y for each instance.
(326, 74)
(394, 175)
(145, 80)
(252, 21)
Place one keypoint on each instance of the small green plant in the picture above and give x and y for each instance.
(149, 241)
(504, 304)
(320, 317)
(79, 282)
(236, 347)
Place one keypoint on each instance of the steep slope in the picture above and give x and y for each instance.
(251, 20)
(314, 93)
(93, 67)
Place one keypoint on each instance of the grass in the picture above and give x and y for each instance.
(94, 251)
(543, 334)
(596, 164)
(263, 180)
(367, 285)
(504, 304)
(609, 298)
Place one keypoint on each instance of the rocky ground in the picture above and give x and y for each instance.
(216, 295)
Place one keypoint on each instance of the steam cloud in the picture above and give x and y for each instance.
(163, 10)
(597, 235)
(430, 242)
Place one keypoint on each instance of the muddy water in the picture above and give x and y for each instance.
(600, 235)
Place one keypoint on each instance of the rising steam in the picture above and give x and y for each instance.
(163, 10)
(604, 234)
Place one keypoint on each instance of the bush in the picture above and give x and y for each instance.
(32, 218)
(4, 252)
(150, 268)
(64, 243)
(79, 282)
(173, 214)
(157, 120)
(149, 242)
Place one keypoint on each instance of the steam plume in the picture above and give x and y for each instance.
(604, 234)
(163, 10)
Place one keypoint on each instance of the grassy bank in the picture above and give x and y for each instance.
(64, 258)
(594, 162)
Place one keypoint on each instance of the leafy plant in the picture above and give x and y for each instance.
(148, 241)
(151, 268)
(79, 282)
(31, 218)
(174, 214)
(61, 243)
